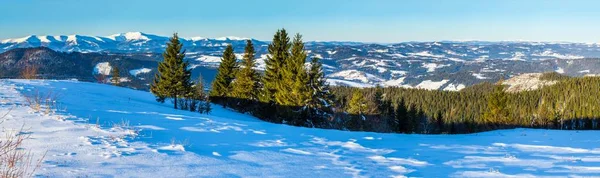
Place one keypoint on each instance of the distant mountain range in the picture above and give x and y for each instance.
(446, 65)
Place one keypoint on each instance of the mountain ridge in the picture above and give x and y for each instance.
(429, 65)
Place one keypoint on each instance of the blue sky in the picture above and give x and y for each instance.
(340, 20)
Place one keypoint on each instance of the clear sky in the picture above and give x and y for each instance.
(328, 20)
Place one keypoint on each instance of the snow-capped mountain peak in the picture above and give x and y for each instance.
(20, 40)
(129, 36)
(225, 38)
(72, 38)
(198, 38)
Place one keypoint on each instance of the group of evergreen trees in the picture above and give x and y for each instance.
(288, 92)
(572, 103)
(173, 81)
(295, 92)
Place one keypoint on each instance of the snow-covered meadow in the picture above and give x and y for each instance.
(106, 131)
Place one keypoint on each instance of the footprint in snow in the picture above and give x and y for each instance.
(65, 154)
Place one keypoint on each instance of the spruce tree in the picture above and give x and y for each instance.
(293, 89)
(221, 85)
(246, 84)
(496, 107)
(357, 104)
(173, 78)
(401, 117)
(320, 100)
(356, 108)
(116, 79)
(274, 64)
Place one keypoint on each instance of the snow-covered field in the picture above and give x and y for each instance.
(106, 131)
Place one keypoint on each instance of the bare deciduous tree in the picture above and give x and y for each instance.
(30, 72)
(14, 160)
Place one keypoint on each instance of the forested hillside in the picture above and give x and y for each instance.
(571, 103)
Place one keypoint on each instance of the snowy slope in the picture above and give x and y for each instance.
(172, 143)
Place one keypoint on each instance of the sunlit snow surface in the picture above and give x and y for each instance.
(172, 143)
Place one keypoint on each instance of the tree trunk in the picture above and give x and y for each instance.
(175, 102)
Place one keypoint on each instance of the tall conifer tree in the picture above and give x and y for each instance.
(292, 90)
(497, 112)
(246, 83)
(221, 86)
(278, 53)
(320, 100)
(173, 78)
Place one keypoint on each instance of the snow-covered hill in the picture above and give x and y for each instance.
(430, 65)
(105, 131)
(524, 82)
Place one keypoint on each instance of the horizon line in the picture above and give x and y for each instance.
(317, 41)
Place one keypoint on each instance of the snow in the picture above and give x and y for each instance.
(355, 75)
(479, 76)
(585, 71)
(453, 87)
(337, 82)
(318, 56)
(135, 36)
(351, 75)
(432, 66)
(123, 79)
(72, 39)
(398, 72)
(394, 82)
(82, 139)
(198, 38)
(136, 72)
(559, 70)
(426, 54)
(209, 59)
(431, 85)
(550, 53)
(397, 55)
(225, 38)
(380, 51)
(58, 38)
(454, 53)
(529, 81)
(517, 56)
(176, 147)
(129, 36)
(380, 69)
(16, 40)
(43, 39)
(260, 62)
(103, 68)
